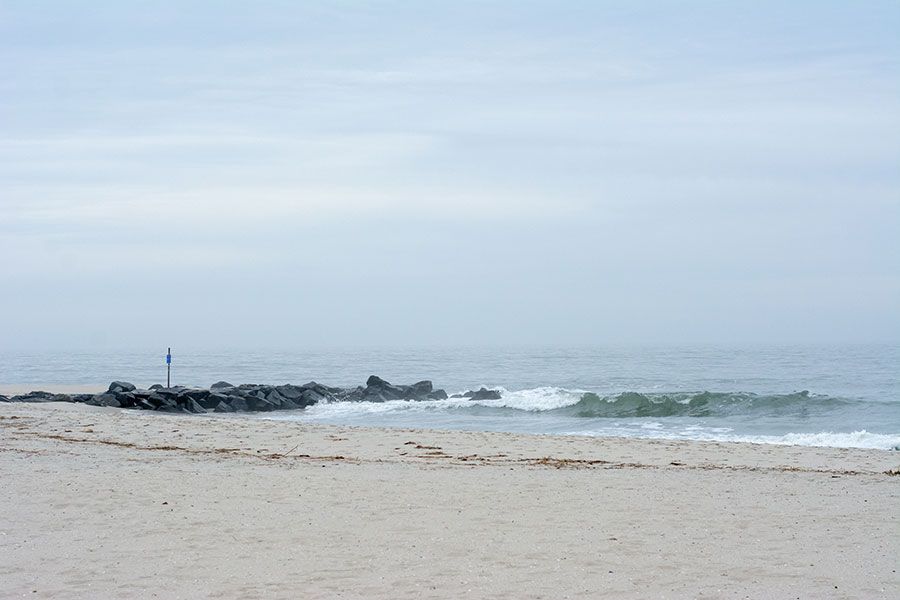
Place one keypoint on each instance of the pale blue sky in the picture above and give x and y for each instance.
(293, 173)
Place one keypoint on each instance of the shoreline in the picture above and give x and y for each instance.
(287, 399)
(578, 448)
(131, 503)
(12, 389)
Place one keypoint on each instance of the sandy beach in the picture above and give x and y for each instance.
(110, 503)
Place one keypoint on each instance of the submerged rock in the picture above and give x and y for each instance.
(379, 390)
(482, 394)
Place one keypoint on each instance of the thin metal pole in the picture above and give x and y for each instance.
(169, 368)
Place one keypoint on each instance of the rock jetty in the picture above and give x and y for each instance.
(224, 397)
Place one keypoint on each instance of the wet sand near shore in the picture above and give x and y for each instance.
(12, 389)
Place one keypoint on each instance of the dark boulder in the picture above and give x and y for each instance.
(121, 386)
(220, 384)
(238, 403)
(126, 399)
(261, 403)
(105, 400)
(194, 394)
(375, 381)
(437, 395)
(223, 407)
(163, 402)
(356, 394)
(172, 392)
(379, 390)
(156, 386)
(290, 392)
(309, 397)
(233, 392)
(321, 389)
(482, 394)
(418, 390)
(213, 400)
(273, 395)
(191, 406)
(41, 397)
(3, 398)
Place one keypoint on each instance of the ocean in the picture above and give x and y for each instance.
(840, 396)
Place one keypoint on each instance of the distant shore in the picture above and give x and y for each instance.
(11, 389)
(102, 502)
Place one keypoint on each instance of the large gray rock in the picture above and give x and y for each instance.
(290, 392)
(224, 407)
(193, 393)
(144, 405)
(239, 404)
(163, 402)
(126, 399)
(437, 395)
(192, 406)
(105, 400)
(379, 390)
(419, 390)
(482, 394)
(41, 397)
(261, 403)
(121, 386)
(309, 397)
(220, 385)
(213, 400)
(323, 390)
(356, 394)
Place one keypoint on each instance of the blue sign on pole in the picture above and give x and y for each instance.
(168, 359)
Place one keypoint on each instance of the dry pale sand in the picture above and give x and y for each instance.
(105, 503)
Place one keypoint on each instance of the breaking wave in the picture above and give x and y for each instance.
(681, 404)
(703, 404)
(797, 418)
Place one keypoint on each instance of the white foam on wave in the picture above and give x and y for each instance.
(853, 439)
(830, 439)
(534, 399)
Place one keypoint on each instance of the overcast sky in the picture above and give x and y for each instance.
(283, 174)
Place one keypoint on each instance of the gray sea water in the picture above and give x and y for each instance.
(844, 396)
